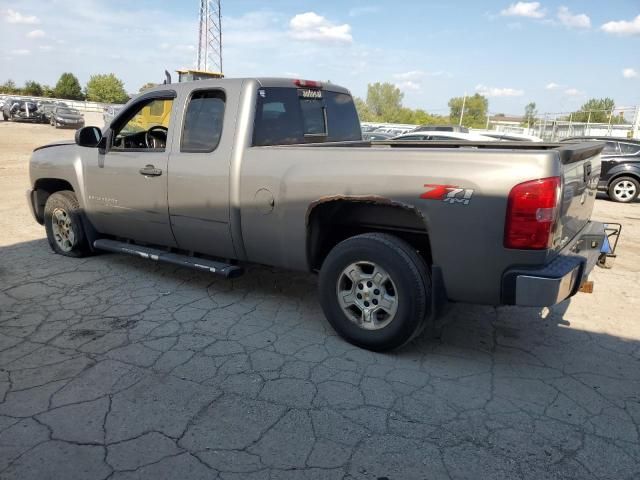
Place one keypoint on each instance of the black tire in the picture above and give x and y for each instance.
(411, 279)
(618, 194)
(4, 116)
(66, 202)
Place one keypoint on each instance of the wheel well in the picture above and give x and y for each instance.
(634, 175)
(44, 188)
(332, 221)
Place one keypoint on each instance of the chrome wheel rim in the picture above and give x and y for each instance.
(63, 233)
(367, 295)
(624, 190)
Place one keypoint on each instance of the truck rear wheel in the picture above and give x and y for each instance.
(375, 291)
(63, 223)
(624, 189)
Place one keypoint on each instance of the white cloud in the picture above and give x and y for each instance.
(623, 27)
(498, 92)
(524, 9)
(409, 85)
(11, 16)
(311, 26)
(20, 51)
(573, 92)
(412, 75)
(36, 34)
(629, 73)
(552, 86)
(568, 19)
(45, 48)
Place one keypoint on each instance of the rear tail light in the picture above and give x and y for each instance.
(307, 84)
(532, 212)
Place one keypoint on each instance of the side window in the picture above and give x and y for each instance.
(203, 122)
(145, 127)
(629, 148)
(610, 148)
(413, 137)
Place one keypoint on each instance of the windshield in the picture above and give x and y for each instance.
(67, 111)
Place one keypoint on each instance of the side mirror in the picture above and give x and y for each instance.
(88, 137)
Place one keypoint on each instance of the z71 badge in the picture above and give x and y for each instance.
(448, 193)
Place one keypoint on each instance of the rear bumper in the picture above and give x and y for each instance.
(563, 276)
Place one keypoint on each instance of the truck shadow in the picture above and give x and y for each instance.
(119, 287)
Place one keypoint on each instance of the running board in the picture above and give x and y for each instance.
(224, 269)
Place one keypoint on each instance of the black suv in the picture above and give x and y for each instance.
(620, 176)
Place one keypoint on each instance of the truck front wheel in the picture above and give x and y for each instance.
(63, 223)
(375, 291)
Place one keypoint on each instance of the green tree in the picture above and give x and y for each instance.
(530, 114)
(68, 87)
(475, 110)
(47, 91)
(596, 110)
(33, 89)
(363, 110)
(147, 86)
(106, 88)
(9, 87)
(384, 101)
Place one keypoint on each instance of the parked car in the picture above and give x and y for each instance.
(620, 176)
(110, 112)
(441, 136)
(239, 172)
(372, 136)
(441, 128)
(46, 110)
(65, 117)
(507, 137)
(20, 110)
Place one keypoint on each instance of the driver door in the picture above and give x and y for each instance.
(126, 184)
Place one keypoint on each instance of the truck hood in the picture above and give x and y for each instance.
(56, 144)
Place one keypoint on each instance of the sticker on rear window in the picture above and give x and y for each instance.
(310, 94)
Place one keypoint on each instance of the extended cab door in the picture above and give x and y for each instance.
(199, 171)
(126, 184)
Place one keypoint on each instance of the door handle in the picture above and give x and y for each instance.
(151, 171)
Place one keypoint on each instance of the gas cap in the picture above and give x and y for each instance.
(264, 201)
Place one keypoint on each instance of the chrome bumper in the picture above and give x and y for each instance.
(563, 276)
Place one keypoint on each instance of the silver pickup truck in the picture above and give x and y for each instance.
(215, 174)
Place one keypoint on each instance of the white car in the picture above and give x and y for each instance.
(508, 136)
(445, 136)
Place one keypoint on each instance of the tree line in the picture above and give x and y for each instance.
(383, 104)
(104, 88)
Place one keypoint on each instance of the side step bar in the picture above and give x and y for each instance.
(211, 266)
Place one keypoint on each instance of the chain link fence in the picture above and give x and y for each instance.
(623, 122)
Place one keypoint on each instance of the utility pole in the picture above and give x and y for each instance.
(210, 36)
(464, 102)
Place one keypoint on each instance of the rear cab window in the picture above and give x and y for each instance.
(288, 116)
(203, 122)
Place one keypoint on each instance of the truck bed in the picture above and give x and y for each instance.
(569, 153)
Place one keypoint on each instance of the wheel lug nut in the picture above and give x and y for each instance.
(360, 286)
(359, 297)
(369, 284)
(366, 304)
(375, 302)
(376, 292)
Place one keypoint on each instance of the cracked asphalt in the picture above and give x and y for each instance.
(115, 367)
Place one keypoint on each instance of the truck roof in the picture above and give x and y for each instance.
(261, 81)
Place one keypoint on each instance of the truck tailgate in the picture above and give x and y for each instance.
(580, 174)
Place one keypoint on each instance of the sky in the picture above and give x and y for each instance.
(555, 53)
